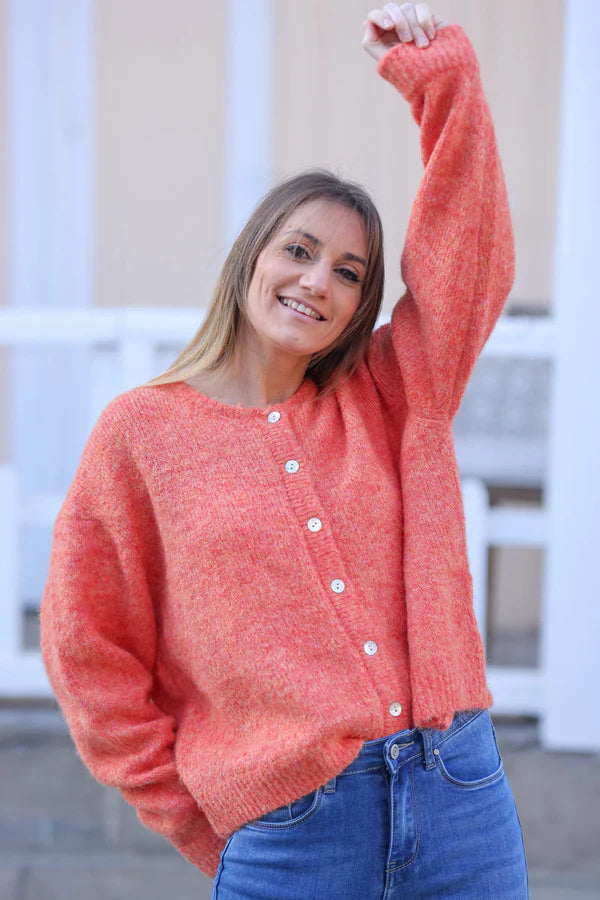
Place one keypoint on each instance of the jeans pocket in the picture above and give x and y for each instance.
(290, 814)
(469, 757)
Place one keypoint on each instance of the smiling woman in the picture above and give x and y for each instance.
(314, 240)
(259, 580)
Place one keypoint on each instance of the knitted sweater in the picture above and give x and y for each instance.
(238, 597)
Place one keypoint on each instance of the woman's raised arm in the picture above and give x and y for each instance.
(458, 258)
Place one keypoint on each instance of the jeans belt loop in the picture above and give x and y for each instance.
(429, 761)
(329, 788)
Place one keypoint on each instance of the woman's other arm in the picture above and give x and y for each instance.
(458, 258)
(98, 642)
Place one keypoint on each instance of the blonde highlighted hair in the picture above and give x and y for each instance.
(213, 345)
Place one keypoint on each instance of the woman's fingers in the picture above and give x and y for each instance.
(393, 23)
(418, 15)
(415, 21)
(380, 33)
(425, 19)
(381, 19)
(400, 21)
(372, 32)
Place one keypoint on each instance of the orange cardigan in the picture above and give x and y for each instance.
(238, 597)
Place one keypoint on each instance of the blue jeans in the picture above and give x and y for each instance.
(417, 815)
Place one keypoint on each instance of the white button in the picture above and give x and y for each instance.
(370, 647)
(394, 751)
(274, 416)
(292, 465)
(337, 585)
(314, 524)
(395, 708)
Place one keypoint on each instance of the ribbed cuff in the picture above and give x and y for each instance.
(409, 68)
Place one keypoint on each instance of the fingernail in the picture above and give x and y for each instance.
(421, 42)
(387, 22)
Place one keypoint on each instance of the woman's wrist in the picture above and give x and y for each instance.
(410, 69)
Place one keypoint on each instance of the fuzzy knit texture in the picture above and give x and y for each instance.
(238, 597)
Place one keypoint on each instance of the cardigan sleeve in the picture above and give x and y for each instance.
(98, 642)
(458, 259)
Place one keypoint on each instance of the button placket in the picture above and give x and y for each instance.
(314, 524)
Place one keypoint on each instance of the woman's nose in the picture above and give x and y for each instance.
(317, 279)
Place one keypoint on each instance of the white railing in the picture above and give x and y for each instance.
(124, 347)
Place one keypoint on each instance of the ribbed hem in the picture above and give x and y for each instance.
(410, 68)
(242, 802)
(239, 803)
(435, 701)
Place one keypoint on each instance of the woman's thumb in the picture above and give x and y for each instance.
(371, 32)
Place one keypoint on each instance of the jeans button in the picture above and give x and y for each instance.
(394, 751)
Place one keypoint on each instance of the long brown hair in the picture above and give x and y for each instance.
(214, 343)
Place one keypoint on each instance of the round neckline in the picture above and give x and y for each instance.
(306, 391)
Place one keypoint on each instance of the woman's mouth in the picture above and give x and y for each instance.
(300, 309)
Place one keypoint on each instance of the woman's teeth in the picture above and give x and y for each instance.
(299, 307)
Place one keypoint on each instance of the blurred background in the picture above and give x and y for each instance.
(136, 139)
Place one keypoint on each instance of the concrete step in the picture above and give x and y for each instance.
(557, 796)
(54, 816)
(122, 877)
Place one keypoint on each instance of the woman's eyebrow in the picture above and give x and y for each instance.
(318, 243)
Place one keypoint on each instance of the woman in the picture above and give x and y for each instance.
(258, 619)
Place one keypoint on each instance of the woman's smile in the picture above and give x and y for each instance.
(301, 309)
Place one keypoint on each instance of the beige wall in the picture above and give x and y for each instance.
(159, 175)
(160, 178)
(160, 122)
(332, 109)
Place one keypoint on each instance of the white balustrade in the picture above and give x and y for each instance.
(124, 345)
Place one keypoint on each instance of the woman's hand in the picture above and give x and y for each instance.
(393, 24)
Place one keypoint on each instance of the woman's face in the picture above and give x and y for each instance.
(317, 258)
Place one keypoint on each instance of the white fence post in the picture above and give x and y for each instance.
(10, 612)
(571, 615)
(123, 346)
(21, 671)
(248, 115)
(136, 350)
(476, 503)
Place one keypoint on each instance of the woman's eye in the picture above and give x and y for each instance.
(295, 250)
(350, 275)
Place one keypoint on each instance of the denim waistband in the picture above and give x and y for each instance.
(401, 745)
